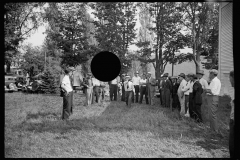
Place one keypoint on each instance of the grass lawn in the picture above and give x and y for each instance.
(33, 129)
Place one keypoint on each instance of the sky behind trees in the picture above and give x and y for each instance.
(37, 38)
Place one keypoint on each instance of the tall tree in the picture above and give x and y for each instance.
(20, 19)
(166, 25)
(68, 30)
(210, 49)
(115, 28)
(145, 35)
(33, 58)
(197, 19)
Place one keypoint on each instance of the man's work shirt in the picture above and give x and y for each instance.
(181, 86)
(128, 86)
(215, 86)
(204, 83)
(188, 88)
(143, 82)
(66, 82)
(136, 80)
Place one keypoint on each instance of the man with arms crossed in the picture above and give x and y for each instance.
(151, 82)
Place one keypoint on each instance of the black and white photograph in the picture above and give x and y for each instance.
(119, 80)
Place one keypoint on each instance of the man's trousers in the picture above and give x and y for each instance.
(166, 98)
(136, 87)
(128, 97)
(89, 95)
(123, 93)
(182, 103)
(143, 91)
(96, 90)
(186, 103)
(213, 109)
(150, 96)
(67, 106)
(113, 91)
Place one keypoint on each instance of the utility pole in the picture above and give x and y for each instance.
(172, 62)
(45, 63)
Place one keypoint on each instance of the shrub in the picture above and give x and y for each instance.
(49, 82)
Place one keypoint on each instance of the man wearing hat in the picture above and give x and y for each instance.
(136, 81)
(151, 83)
(188, 95)
(197, 99)
(167, 88)
(213, 92)
(66, 86)
(129, 90)
(181, 96)
(204, 84)
(89, 88)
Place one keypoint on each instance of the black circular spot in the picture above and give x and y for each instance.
(105, 66)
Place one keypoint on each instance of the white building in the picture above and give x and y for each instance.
(225, 47)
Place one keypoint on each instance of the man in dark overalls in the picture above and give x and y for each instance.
(123, 90)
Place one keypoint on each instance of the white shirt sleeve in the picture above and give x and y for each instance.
(65, 80)
(186, 87)
(215, 87)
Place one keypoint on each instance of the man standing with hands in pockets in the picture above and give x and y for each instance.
(213, 93)
(136, 81)
(68, 93)
(129, 90)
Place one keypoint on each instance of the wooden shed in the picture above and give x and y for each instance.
(225, 47)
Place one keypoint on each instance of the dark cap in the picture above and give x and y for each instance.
(165, 75)
(182, 75)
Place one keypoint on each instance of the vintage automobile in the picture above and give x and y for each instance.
(10, 85)
(34, 85)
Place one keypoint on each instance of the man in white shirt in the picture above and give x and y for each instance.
(114, 88)
(96, 89)
(204, 84)
(68, 93)
(187, 90)
(136, 81)
(213, 93)
(129, 90)
(181, 96)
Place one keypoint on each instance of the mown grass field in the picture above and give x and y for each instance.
(33, 129)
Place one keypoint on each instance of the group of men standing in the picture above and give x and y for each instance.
(187, 93)
(133, 89)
